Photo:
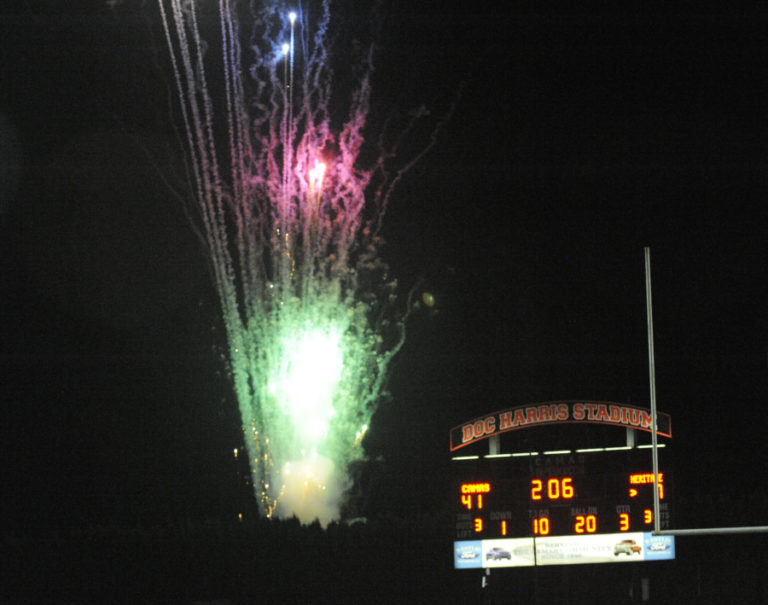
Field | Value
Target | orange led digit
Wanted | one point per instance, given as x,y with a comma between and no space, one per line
591,524
478,525
624,522
648,516
503,528
536,486
553,489
567,486
466,500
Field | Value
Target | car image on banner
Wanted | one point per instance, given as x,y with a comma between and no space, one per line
627,547
498,553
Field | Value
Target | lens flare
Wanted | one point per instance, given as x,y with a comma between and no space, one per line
309,308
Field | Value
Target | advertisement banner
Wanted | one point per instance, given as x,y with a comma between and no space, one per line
563,550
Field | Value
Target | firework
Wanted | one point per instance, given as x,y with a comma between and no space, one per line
290,215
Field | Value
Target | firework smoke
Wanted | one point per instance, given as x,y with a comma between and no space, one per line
290,215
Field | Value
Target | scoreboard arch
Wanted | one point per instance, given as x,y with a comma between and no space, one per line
558,412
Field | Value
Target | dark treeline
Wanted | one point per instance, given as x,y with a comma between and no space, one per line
385,560
259,562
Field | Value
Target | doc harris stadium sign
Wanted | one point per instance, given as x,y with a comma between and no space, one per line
557,412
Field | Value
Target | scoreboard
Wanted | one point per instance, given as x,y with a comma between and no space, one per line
568,507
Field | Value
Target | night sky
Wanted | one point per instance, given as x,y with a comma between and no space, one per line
577,138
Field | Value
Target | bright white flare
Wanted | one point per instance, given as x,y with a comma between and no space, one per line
306,380
316,174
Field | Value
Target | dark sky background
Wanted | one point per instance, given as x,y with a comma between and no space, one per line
578,137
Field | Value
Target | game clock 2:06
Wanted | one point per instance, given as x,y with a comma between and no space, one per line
556,488
548,496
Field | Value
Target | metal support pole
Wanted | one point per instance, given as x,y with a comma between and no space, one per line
711,531
654,437
630,437
652,372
